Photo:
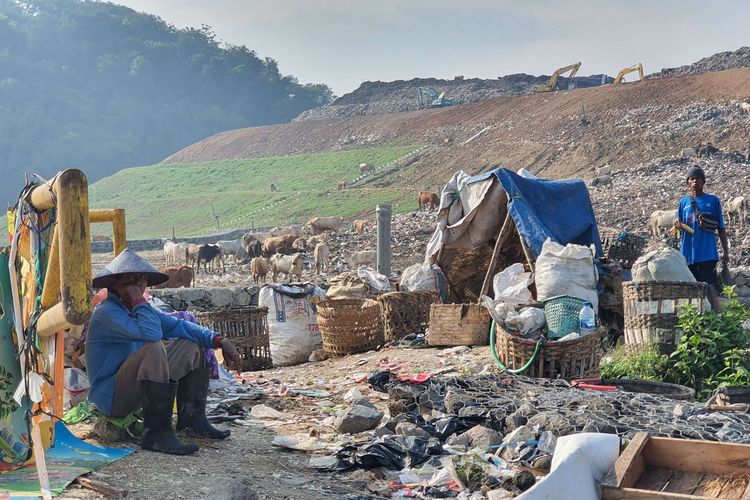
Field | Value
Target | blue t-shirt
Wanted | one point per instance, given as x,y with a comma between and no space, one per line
700,246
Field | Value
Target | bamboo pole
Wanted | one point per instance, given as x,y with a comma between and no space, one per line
506,229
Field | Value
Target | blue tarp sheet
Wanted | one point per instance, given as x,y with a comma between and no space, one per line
541,209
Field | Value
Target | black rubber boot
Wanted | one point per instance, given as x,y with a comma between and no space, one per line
192,390
158,400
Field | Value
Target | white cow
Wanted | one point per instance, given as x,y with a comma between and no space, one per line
322,256
234,248
356,259
737,207
291,265
662,219
173,253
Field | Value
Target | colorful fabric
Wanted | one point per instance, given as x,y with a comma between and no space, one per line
210,356
115,333
701,245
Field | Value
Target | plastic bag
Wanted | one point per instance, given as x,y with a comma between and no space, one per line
418,278
663,264
498,310
528,320
566,270
511,285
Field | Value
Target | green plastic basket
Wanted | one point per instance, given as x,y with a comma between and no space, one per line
562,315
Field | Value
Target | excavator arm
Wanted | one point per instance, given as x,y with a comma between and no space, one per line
625,71
550,85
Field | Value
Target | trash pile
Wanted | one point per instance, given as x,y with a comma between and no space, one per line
739,58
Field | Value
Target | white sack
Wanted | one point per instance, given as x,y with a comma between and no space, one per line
498,309
418,278
292,323
579,464
511,285
663,264
377,281
529,319
566,270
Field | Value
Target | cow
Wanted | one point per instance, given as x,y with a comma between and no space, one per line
366,168
293,230
173,252
320,224
322,256
428,200
207,254
191,254
259,269
603,180
356,259
300,245
342,185
233,248
273,245
252,245
291,265
360,225
737,206
662,219
312,241
181,276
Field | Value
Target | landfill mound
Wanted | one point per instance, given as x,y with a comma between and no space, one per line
739,58
377,98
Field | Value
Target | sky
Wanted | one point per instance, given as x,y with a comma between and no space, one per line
343,43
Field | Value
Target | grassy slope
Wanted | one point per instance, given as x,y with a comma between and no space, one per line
160,197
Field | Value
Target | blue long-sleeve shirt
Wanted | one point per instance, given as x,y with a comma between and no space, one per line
116,332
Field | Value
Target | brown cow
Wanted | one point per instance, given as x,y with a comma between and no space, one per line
320,224
191,254
274,245
366,168
322,256
360,225
181,276
429,200
259,269
342,185
300,245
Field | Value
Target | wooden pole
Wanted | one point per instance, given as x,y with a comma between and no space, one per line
505,231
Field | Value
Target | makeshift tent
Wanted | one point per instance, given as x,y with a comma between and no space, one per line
489,221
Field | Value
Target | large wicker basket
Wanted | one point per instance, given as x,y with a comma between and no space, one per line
568,359
458,324
248,330
349,326
405,313
621,246
651,310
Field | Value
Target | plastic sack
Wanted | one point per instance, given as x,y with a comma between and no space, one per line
76,387
292,322
511,285
662,264
498,310
528,320
377,281
566,270
418,278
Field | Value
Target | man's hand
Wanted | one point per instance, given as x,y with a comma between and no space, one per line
231,355
676,224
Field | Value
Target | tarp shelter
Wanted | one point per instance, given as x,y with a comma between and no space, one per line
477,212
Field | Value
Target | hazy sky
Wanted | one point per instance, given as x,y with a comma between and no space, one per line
345,42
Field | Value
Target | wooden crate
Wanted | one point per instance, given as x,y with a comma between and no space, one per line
654,468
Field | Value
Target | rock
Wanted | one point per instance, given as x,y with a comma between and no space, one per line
459,441
409,429
357,419
352,394
382,431
542,463
687,153
514,421
241,298
263,411
323,462
499,494
221,297
232,489
364,402
483,437
524,480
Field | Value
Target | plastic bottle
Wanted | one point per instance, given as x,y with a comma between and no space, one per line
586,319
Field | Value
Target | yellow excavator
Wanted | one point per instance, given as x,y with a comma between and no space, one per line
550,85
638,67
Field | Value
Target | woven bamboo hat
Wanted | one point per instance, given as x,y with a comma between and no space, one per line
128,262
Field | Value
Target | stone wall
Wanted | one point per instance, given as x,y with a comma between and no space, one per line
204,299
158,244
741,280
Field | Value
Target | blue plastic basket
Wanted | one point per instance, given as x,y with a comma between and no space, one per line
561,313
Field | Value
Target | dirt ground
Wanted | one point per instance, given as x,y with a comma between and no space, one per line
248,454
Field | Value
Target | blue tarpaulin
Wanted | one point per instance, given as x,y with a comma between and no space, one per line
541,209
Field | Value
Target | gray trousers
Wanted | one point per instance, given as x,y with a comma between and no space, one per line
155,363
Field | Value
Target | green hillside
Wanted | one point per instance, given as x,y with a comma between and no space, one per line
160,197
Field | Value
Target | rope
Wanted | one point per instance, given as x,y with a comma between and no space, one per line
514,371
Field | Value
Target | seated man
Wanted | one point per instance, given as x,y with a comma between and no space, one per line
129,366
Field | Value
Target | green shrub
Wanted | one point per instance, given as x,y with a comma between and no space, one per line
645,363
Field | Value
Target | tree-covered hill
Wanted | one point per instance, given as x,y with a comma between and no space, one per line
101,87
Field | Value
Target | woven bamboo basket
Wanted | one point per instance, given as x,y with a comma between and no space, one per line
568,359
651,310
349,326
458,324
620,246
247,328
405,313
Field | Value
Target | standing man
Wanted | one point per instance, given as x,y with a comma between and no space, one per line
129,365
702,212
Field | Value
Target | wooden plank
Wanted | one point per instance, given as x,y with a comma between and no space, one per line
654,478
101,487
746,495
698,456
630,464
684,482
711,486
734,486
611,493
